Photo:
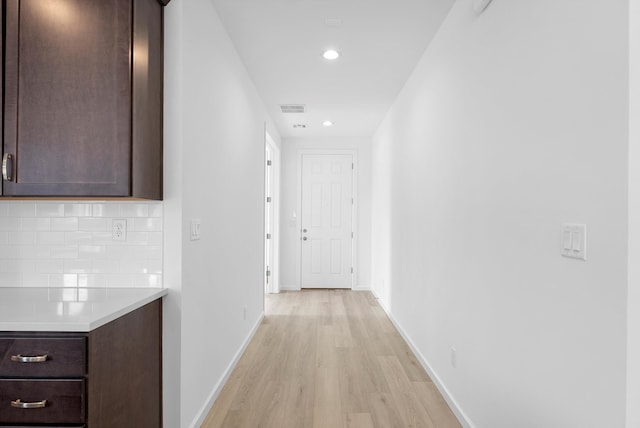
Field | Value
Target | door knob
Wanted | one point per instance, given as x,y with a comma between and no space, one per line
304,238
304,230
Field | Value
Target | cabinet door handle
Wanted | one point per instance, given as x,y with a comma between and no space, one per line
18,404
5,167
34,359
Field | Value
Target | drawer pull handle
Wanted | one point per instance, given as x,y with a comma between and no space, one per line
6,159
33,359
18,404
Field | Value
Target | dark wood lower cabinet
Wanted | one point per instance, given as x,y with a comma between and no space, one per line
62,401
110,377
124,385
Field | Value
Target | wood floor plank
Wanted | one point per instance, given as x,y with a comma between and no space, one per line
359,420
435,405
327,406
326,355
384,411
328,359
409,362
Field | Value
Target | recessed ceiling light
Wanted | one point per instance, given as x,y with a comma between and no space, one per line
327,123
331,54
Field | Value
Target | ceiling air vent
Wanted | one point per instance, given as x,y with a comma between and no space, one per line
333,22
292,108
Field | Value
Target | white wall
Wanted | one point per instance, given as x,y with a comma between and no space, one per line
290,227
214,172
633,308
513,122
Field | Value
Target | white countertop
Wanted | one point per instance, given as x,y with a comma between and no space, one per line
69,309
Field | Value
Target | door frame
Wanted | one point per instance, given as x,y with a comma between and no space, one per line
354,209
274,283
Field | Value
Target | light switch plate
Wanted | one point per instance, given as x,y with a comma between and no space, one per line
195,231
573,241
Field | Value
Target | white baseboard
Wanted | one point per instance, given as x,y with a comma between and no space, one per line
296,288
453,404
202,414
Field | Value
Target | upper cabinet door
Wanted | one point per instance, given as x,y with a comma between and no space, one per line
68,99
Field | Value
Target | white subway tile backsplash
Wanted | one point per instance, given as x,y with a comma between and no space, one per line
23,252
49,210
70,244
50,266
35,279
119,280
65,224
64,252
105,266
134,210
36,224
138,238
93,224
9,223
77,210
154,267
11,279
147,281
77,266
135,266
106,210
5,252
91,280
92,251
22,238
119,252
103,238
148,252
156,210
156,238
17,266
147,225
21,210
78,237
64,280
50,238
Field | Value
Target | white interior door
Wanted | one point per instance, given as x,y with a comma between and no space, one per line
327,206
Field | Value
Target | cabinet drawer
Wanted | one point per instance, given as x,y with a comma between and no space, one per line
58,357
65,401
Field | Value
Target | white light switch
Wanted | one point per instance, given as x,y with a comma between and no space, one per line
195,230
574,241
566,240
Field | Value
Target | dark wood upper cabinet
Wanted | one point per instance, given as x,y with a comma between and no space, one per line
83,98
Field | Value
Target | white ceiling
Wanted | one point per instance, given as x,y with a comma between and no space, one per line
281,43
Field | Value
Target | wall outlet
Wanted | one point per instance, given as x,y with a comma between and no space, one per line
454,358
119,229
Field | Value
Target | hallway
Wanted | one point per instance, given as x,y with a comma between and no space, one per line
328,358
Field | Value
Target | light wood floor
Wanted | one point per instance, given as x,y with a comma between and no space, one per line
328,358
